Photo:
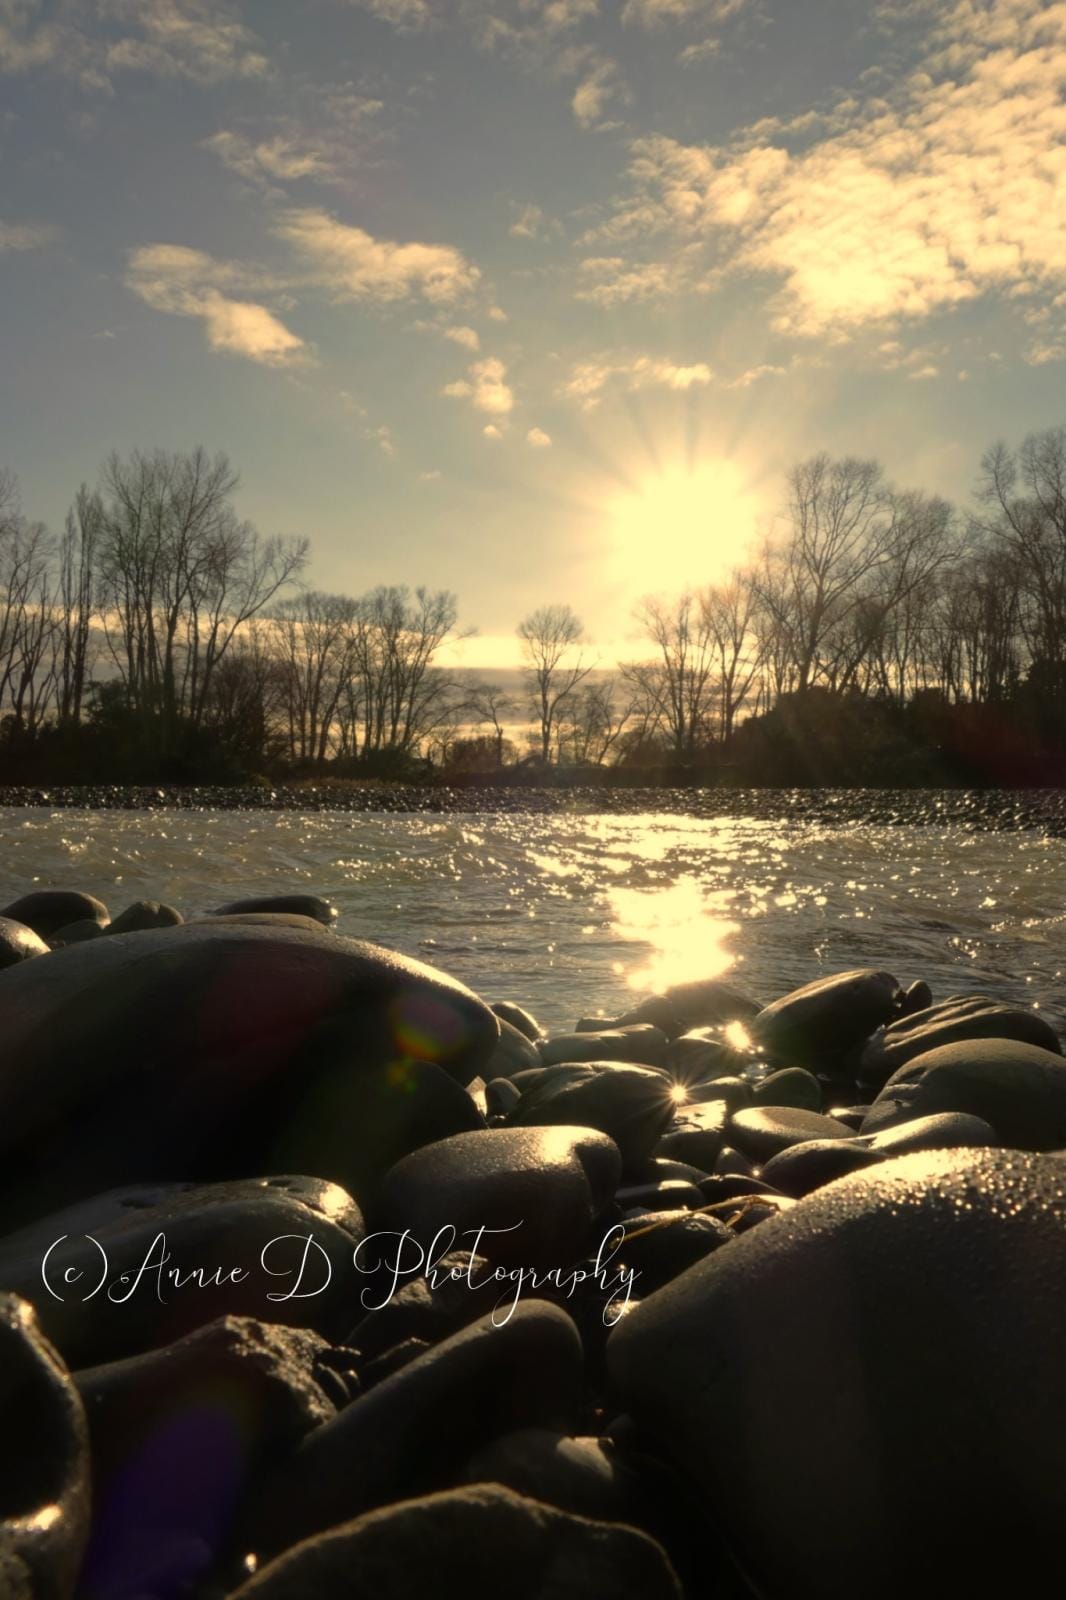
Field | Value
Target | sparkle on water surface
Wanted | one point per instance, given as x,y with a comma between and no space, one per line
578,915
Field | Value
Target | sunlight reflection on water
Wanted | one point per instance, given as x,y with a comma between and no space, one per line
574,914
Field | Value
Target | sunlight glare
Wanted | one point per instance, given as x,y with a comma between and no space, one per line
683,527
686,940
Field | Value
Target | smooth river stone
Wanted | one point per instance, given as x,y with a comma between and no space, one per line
510,1011
413,1431
815,1025
885,1362
211,1051
180,1437
1019,1089
478,1542
962,1017
514,1052
48,910
639,1046
697,1135
537,1192
792,1086
297,905
223,1225
632,1105
18,943
581,1475
143,915
805,1167
44,1463
764,1131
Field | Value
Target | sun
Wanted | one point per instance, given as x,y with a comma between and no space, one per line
682,527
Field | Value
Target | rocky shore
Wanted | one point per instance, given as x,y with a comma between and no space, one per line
1041,809
321,1276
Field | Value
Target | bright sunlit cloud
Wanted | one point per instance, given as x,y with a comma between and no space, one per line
682,527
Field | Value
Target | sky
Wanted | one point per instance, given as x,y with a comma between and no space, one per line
537,300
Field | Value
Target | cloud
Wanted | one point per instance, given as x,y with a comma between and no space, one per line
93,41
531,223
537,439
467,337
491,431
951,187
401,13
282,158
17,237
189,283
352,265
660,13
602,84
432,475
589,379
486,388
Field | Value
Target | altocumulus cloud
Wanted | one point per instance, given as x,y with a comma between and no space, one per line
589,379
190,283
486,388
951,186
353,265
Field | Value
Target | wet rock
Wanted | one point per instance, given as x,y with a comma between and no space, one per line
918,997
697,1135
213,1051
520,1018
658,1247
852,1116
705,1054
501,1097
461,1543
48,910
514,1052
77,933
536,1192
631,1104
709,1002
731,1162
962,1017
640,1046
730,1186
257,1228
764,1131
912,1394
825,1020
180,1437
803,1168
1018,1089
582,1475
656,1011
413,1431
18,943
427,1306
145,914
296,905
44,1463
735,1092
790,1087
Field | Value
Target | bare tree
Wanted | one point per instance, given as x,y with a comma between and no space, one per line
592,721
729,611
550,639
681,675
487,702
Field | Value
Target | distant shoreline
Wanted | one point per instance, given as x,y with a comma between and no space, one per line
1040,809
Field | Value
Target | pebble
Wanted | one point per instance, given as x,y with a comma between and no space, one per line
48,910
765,1131
18,943
640,1045
631,1104
1019,1089
963,1017
821,1022
296,905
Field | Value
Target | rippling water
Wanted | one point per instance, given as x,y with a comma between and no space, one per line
574,915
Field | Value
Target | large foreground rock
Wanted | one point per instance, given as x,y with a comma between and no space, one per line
480,1542
869,1389
210,1051
44,1463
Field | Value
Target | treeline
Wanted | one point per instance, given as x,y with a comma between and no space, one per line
879,636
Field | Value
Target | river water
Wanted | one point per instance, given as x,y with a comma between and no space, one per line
578,915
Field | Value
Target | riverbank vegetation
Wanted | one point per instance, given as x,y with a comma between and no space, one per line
879,636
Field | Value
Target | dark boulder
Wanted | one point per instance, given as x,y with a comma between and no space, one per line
886,1363
537,1193
476,1542
296,905
48,910
145,914
962,1017
215,1051
818,1024
631,1104
764,1131
1018,1089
